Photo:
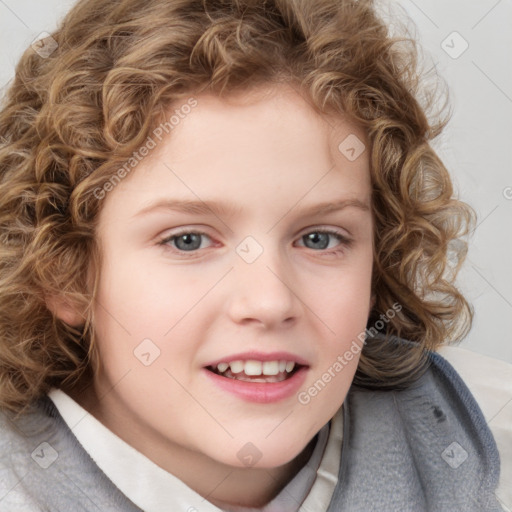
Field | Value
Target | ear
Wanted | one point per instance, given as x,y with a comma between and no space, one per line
373,300
64,310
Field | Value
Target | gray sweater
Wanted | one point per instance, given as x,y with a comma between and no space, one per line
426,448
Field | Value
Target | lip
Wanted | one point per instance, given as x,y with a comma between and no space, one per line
260,392
260,356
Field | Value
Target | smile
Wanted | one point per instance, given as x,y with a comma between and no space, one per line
252,370
258,377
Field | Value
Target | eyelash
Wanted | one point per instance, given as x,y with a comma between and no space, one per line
344,242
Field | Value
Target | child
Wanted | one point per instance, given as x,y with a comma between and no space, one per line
225,269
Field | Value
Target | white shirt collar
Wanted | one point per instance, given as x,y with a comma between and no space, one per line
153,489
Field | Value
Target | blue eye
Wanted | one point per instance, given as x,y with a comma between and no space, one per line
322,240
317,240
330,242
187,241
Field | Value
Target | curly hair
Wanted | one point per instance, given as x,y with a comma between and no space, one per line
70,119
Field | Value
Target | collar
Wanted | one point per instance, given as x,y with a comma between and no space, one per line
155,490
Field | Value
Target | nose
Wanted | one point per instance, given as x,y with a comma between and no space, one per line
262,294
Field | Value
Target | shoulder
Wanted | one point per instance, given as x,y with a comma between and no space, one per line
490,382
43,467
426,446
488,379
20,451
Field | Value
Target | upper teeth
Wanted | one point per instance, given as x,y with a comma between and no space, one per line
252,367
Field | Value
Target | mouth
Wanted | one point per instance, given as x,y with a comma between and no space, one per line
256,371
258,377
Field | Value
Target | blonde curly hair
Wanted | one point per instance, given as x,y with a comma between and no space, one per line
70,120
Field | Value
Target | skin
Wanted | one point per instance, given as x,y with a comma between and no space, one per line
273,157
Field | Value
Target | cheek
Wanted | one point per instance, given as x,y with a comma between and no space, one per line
149,316
342,300
343,307
147,300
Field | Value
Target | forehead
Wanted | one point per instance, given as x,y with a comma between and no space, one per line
268,145
252,119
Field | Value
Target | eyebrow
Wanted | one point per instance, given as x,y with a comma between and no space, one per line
328,207
231,210
192,207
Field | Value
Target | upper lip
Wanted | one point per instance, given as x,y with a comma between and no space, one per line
260,356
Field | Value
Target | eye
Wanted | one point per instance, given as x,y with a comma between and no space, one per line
187,241
322,240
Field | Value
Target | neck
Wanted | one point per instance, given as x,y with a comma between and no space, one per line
221,484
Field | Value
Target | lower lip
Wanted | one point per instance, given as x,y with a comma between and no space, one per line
260,392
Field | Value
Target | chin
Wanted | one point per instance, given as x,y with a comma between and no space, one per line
263,454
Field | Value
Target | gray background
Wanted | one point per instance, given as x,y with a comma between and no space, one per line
476,146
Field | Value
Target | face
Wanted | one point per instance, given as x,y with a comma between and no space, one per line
241,245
